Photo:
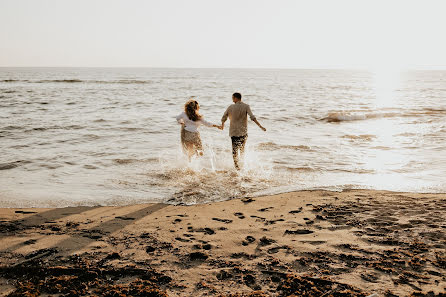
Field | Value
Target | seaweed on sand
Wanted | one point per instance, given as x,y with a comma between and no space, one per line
77,276
307,286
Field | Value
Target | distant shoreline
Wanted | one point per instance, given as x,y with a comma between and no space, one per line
365,69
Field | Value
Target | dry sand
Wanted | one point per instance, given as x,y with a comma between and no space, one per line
308,243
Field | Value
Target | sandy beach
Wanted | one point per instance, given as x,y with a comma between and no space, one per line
308,243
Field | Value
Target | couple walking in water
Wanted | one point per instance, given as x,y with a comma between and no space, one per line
237,113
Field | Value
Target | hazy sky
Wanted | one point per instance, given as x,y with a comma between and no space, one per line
229,33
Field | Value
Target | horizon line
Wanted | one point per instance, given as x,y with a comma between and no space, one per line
438,68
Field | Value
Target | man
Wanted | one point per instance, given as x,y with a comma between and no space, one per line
238,128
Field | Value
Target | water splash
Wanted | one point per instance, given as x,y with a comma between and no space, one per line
212,177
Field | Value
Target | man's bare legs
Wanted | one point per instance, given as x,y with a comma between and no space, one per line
238,144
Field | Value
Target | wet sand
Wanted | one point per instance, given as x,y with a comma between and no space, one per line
308,243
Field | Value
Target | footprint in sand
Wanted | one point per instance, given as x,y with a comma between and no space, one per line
296,211
208,231
271,222
182,239
266,241
150,249
239,215
30,241
259,219
205,246
299,231
313,242
248,240
247,200
243,255
198,256
226,221
223,274
275,250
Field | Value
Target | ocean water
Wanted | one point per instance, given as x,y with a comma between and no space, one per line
103,136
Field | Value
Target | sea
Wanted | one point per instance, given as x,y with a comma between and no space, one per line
108,136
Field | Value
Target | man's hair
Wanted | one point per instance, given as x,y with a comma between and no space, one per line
237,95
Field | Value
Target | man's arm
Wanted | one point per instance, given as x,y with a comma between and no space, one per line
258,124
253,118
224,118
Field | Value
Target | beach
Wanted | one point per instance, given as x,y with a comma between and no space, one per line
306,243
222,148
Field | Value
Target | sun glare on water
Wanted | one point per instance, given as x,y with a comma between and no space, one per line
386,81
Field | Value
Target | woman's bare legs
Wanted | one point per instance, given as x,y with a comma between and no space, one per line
190,150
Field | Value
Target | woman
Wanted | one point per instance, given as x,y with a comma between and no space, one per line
190,120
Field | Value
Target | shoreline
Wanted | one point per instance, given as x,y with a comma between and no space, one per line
138,202
318,241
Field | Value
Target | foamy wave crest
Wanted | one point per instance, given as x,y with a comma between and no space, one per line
356,116
11,80
59,81
274,146
11,165
345,116
363,137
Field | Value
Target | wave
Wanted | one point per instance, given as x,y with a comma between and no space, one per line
357,116
274,146
346,116
297,169
126,81
434,110
11,80
365,137
59,81
131,81
11,165
46,128
12,127
125,161
129,161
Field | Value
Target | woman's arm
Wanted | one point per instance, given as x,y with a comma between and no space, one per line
180,118
207,124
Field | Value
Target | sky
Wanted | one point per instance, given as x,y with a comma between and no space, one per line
374,34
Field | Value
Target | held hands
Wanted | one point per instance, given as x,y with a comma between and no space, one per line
219,126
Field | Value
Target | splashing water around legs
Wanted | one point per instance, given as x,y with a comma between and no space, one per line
212,177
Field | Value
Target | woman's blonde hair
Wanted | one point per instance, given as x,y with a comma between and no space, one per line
191,109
